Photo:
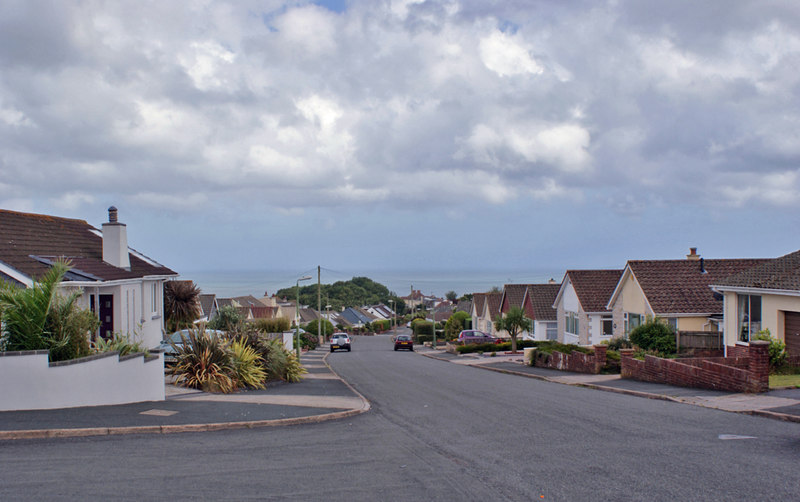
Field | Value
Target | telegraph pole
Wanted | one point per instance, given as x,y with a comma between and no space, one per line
320,333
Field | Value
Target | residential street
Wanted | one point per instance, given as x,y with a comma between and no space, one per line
436,431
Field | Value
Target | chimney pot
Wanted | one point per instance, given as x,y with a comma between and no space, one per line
112,214
693,254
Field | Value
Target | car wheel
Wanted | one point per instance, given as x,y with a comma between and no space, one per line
411,349
395,349
331,350
348,349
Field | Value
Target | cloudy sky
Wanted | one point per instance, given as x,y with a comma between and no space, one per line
408,134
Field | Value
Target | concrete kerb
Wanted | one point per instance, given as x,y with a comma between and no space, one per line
209,427
761,413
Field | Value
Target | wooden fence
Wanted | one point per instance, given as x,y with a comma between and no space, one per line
698,340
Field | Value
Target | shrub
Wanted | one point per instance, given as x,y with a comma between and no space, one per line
308,341
294,371
227,319
276,325
618,343
204,362
454,325
248,366
654,335
777,349
118,343
72,326
313,328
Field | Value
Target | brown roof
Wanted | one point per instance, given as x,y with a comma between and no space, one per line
493,300
479,300
207,303
594,287
29,243
513,295
263,312
681,287
542,297
778,273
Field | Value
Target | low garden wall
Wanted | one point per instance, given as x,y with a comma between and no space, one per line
577,362
31,382
747,371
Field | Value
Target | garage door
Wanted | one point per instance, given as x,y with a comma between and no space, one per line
792,333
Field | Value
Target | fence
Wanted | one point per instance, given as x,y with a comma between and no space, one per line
699,340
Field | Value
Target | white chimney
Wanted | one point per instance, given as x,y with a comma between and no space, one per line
115,241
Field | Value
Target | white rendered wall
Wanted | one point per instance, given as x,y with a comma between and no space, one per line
30,383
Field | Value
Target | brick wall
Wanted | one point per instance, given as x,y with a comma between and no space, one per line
737,374
577,362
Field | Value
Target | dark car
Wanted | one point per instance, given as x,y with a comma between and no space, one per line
404,342
340,341
474,336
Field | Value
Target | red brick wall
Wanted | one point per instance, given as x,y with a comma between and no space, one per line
750,374
577,362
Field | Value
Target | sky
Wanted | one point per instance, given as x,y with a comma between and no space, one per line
461,135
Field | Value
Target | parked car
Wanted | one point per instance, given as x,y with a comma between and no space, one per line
174,340
340,341
474,336
404,342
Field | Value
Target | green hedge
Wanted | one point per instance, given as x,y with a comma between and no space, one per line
495,347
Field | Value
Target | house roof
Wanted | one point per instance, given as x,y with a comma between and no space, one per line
493,303
513,295
593,287
207,303
29,243
248,301
542,297
683,286
307,315
779,274
263,312
478,301
464,306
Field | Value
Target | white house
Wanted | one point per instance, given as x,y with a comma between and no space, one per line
124,287
581,306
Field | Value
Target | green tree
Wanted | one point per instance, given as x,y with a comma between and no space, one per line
181,304
227,319
514,322
454,325
313,327
451,295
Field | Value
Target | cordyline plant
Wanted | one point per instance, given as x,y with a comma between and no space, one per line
181,306
204,362
514,322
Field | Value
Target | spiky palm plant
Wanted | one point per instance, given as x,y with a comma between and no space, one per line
294,371
25,310
203,361
248,366
181,304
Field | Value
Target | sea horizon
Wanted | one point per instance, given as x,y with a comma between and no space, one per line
261,282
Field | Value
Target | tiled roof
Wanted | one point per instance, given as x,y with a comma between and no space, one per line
248,301
493,300
594,287
513,295
680,287
263,312
778,273
464,306
542,297
29,242
207,303
479,300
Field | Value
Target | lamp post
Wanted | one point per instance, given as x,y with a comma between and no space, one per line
297,316
328,318
394,316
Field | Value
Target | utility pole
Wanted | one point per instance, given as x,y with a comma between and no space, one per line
320,333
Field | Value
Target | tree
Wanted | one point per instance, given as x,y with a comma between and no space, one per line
454,325
327,327
451,295
514,322
227,319
181,304
654,334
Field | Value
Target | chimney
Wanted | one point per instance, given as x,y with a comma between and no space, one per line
703,265
693,256
115,242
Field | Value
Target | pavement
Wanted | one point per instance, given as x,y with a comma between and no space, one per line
322,395
783,404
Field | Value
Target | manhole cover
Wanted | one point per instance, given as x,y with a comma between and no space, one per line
159,413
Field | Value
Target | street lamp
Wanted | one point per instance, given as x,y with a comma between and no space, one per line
297,316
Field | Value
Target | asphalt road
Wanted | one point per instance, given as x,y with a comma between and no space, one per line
436,431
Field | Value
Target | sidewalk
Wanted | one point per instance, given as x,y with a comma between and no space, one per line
321,396
777,404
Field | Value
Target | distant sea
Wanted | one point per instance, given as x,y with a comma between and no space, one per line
228,283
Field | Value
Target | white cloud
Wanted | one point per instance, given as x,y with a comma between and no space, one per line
508,55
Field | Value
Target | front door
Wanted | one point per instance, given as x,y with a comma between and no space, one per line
106,316
791,333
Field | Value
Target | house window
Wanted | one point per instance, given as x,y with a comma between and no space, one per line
552,330
154,298
607,324
572,323
632,321
489,327
672,322
748,316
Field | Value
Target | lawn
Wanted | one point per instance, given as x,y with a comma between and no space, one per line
776,381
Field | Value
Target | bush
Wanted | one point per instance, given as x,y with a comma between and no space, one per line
308,341
204,362
73,325
777,349
227,319
654,335
618,343
294,371
118,343
495,347
455,324
248,367
313,328
276,325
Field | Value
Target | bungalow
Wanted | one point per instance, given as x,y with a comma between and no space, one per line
764,296
538,306
581,306
208,307
124,287
485,309
675,290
